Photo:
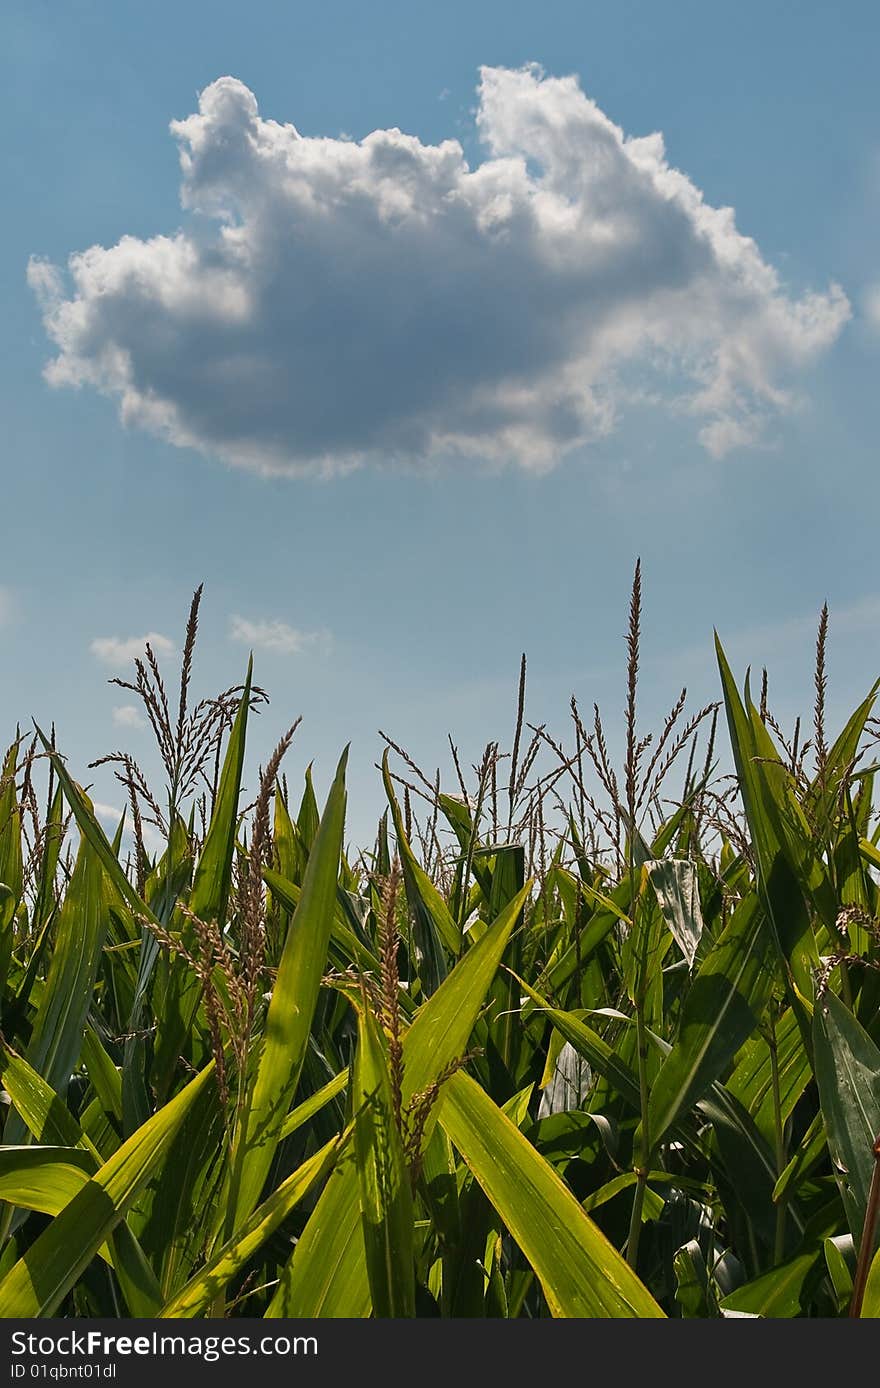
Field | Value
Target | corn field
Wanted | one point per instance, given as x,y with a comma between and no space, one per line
569,1039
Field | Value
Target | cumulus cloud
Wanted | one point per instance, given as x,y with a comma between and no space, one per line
119,652
331,301
275,636
128,716
110,815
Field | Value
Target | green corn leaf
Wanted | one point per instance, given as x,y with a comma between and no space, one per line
590,1045
137,1281
459,818
46,1179
173,1217
39,1281
720,1012
228,1261
385,1192
135,1101
47,1117
777,1294
105,1079
11,865
752,1080
796,834
581,1273
810,1152
596,930
433,925
213,875
170,877
441,1028
692,1288
327,1275
778,884
308,818
653,1206
99,1129
208,899
505,1031
91,830
748,1169
43,1178
848,1075
345,946
309,1107
285,840
824,791
840,1261
290,1013
57,1037
45,902
871,1299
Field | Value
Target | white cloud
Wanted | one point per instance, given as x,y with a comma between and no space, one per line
110,815
276,636
338,301
118,652
154,840
128,716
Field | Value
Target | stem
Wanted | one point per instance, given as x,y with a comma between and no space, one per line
472,844
866,1247
635,1223
779,1133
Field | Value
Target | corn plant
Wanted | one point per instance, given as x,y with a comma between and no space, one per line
568,1039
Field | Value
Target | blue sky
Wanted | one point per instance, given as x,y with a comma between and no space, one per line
401,444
